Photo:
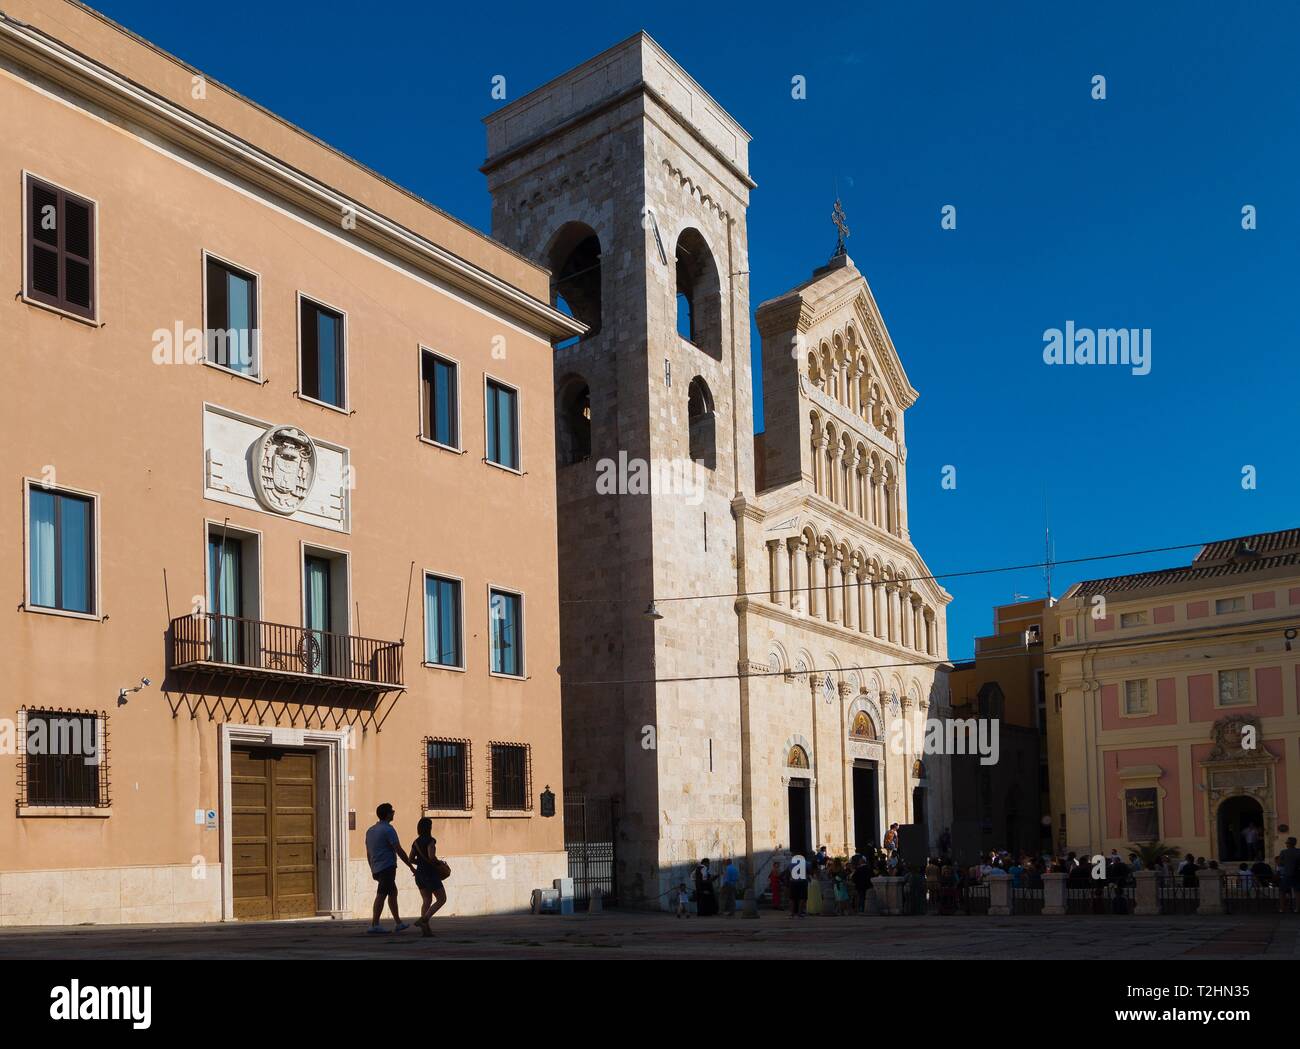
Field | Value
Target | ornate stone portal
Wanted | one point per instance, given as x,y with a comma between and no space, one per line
284,468
1239,766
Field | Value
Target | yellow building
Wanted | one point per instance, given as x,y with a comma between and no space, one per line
1175,693
277,511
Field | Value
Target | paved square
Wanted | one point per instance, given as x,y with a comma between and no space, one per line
655,936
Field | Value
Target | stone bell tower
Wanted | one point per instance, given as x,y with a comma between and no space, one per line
630,184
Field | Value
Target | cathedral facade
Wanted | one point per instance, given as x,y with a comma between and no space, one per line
739,653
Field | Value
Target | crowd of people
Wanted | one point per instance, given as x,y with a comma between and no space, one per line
820,884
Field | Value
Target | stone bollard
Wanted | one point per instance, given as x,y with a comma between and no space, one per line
1146,896
749,906
594,906
890,891
1054,893
999,896
1209,892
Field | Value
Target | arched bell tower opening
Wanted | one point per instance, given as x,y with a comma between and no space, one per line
574,261
699,294
573,422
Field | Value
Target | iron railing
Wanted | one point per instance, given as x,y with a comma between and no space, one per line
974,898
251,644
1247,895
1026,901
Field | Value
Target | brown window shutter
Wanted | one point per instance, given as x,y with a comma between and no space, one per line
61,249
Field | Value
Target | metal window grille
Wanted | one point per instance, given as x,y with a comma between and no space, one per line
448,782
512,777
63,758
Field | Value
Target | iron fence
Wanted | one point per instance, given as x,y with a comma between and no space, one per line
1244,894
1176,898
1026,901
974,898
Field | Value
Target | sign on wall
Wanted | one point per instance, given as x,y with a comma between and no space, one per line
1141,814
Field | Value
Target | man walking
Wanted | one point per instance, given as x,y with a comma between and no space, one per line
382,850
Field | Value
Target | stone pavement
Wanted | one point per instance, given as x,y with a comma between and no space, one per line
616,934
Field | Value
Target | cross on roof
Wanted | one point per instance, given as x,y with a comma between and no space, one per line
841,224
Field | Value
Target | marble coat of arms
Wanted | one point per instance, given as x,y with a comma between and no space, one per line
284,467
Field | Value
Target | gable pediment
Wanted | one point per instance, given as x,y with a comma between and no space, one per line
836,298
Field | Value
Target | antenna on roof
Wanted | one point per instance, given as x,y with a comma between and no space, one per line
1047,549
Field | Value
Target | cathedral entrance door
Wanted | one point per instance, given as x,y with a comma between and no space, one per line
800,818
866,801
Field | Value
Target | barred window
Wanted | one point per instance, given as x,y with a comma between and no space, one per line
447,774
65,759
511,772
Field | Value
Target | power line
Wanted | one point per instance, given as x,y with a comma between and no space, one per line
904,579
1245,628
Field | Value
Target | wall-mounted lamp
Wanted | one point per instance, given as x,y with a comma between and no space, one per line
122,693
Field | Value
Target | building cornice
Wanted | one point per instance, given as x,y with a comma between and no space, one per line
86,78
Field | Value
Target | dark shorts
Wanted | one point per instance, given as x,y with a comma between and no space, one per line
1291,884
428,881
387,881
798,889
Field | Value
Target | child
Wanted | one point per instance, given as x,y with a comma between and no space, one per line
683,898
841,894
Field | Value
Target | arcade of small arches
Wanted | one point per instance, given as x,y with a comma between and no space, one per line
842,370
863,482
850,589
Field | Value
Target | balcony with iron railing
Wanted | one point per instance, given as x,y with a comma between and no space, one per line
253,648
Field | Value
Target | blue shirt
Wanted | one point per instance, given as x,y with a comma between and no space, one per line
381,847
731,876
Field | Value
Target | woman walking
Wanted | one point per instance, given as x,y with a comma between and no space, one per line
428,868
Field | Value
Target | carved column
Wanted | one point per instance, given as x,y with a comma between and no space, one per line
798,547
817,594
891,602
904,617
775,554
864,600
877,619
834,588
851,597
818,463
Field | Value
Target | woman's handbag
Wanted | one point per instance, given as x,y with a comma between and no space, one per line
442,870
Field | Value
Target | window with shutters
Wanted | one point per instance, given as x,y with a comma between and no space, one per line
60,257
511,790
322,361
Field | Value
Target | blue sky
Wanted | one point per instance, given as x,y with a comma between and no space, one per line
1117,213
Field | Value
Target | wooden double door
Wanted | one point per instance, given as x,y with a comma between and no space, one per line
273,832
